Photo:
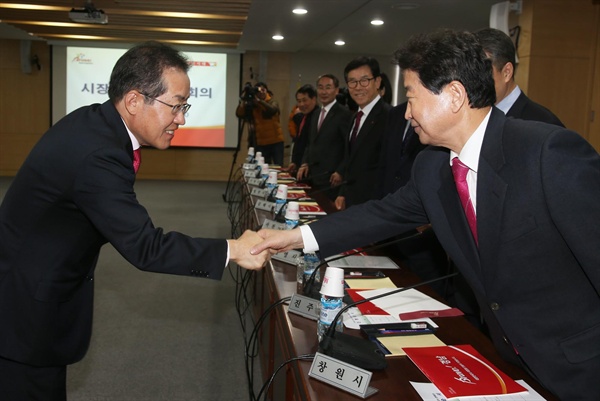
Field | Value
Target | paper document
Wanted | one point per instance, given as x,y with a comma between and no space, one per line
428,392
403,302
364,262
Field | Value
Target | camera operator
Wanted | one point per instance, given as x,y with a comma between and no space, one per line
257,103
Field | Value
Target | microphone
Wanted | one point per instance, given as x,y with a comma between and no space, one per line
358,351
310,290
270,197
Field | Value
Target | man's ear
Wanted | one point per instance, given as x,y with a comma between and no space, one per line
132,101
458,95
508,72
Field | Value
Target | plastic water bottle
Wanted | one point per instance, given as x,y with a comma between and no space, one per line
250,156
305,266
330,306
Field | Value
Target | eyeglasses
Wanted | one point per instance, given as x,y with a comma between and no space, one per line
184,107
364,82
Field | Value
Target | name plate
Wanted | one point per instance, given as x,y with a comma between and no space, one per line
260,192
249,166
304,306
273,225
264,205
290,256
249,173
257,182
342,375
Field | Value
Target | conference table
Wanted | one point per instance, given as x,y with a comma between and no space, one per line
286,335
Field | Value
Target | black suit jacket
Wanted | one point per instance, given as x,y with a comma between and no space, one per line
397,157
536,271
73,194
361,161
303,136
526,109
324,153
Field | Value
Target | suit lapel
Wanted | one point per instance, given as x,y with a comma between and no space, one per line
491,192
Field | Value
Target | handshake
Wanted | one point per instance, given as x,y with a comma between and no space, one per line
254,249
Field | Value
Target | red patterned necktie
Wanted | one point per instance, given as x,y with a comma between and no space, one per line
355,128
459,170
137,159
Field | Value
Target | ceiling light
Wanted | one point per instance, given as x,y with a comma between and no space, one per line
277,37
377,21
299,11
340,42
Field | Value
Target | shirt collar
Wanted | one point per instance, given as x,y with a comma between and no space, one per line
329,106
469,155
506,103
370,106
134,142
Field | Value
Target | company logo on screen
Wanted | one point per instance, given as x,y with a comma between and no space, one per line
202,63
81,59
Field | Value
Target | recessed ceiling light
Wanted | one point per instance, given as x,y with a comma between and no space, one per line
377,21
340,42
277,37
299,11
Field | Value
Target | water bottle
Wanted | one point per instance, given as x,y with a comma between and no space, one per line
250,156
330,306
292,215
305,266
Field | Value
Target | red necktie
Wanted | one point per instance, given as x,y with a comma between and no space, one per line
137,159
355,128
301,125
459,170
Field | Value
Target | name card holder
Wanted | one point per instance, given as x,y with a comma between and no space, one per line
265,205
290,257
304,306
273,225
257,182
249,166
250,173
342,375
260,192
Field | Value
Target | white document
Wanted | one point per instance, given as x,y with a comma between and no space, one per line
429,392
364,262
353,319
407,301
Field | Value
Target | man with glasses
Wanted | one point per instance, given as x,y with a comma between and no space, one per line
73,194
363,146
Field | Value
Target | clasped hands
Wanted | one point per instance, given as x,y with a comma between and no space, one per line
252,250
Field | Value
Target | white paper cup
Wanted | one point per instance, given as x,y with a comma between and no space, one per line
281,191
272,177
258,155
292,213
333,282
251,151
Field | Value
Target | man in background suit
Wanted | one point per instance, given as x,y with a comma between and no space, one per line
306,100
521,226
361,160
509,98
73,194
323,157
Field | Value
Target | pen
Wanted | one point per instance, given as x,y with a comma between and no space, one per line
365,274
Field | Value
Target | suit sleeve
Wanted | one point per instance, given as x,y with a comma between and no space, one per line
570,172
104,192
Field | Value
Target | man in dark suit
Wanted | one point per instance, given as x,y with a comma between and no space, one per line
509,98
323,157
361,160
73,194
306,100
521,226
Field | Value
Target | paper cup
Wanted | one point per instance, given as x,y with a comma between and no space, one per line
292,212
272,177
281,191
333,282
258,155
250,151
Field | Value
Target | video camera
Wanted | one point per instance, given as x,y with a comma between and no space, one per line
249,92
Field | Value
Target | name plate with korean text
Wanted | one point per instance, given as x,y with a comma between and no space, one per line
304,306
273,225
257,182
260,192
290,257
342,375
265,205
249,166
250,173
